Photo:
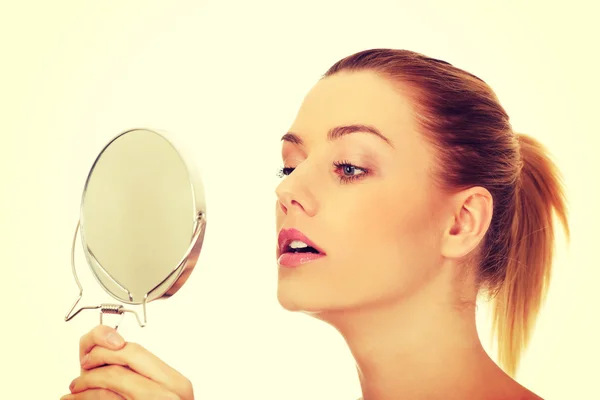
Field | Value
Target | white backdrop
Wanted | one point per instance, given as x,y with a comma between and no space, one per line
226,79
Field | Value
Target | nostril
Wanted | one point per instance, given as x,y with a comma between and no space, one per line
283,208
289,202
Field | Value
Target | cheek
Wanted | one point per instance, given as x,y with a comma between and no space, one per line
414,227
402,230
391,241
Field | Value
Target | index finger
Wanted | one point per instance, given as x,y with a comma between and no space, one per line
103,336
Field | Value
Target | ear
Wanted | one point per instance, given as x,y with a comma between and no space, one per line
472,211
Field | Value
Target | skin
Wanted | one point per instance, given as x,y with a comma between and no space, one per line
395,281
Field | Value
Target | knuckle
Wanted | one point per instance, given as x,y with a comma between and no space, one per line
98,351
94,352
95,356
94,334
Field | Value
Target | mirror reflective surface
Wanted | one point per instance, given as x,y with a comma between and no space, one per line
142,219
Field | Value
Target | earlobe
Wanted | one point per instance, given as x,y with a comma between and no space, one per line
469,224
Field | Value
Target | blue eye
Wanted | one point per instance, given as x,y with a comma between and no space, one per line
349,172
349,169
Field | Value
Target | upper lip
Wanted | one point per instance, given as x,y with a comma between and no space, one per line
287,236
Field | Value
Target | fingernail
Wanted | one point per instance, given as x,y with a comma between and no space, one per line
66,397
85,359
114,339
72,385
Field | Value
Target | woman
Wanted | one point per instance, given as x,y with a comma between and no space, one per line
406,195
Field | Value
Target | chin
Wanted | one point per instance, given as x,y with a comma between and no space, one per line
293,300
296,297
293,295
328,313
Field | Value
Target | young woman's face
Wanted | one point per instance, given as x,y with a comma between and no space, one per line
366,201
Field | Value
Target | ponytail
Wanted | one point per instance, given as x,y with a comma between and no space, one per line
539,197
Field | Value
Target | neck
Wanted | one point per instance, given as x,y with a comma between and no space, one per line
417,348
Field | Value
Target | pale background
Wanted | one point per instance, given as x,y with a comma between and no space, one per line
227,78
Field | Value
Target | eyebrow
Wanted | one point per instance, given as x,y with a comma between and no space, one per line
339,131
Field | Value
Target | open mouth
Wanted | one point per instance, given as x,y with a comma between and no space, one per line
292,241
298,246
296,249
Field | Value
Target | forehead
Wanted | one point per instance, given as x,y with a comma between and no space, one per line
355,98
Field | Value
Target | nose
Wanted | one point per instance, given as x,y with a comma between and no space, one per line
294,198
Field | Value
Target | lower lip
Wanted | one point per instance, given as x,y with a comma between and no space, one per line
292,260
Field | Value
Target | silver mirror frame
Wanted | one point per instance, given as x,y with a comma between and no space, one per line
178,276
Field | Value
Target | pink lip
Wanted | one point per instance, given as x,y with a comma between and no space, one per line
286,236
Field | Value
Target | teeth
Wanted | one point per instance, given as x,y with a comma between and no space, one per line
297,244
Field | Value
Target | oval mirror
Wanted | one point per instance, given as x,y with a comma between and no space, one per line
142,221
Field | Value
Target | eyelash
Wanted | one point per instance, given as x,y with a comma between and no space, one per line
339,165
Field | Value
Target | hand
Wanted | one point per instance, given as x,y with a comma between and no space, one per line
112,369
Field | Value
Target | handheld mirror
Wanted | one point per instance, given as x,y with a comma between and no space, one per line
142,222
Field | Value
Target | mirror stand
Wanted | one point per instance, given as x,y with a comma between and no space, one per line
105,308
